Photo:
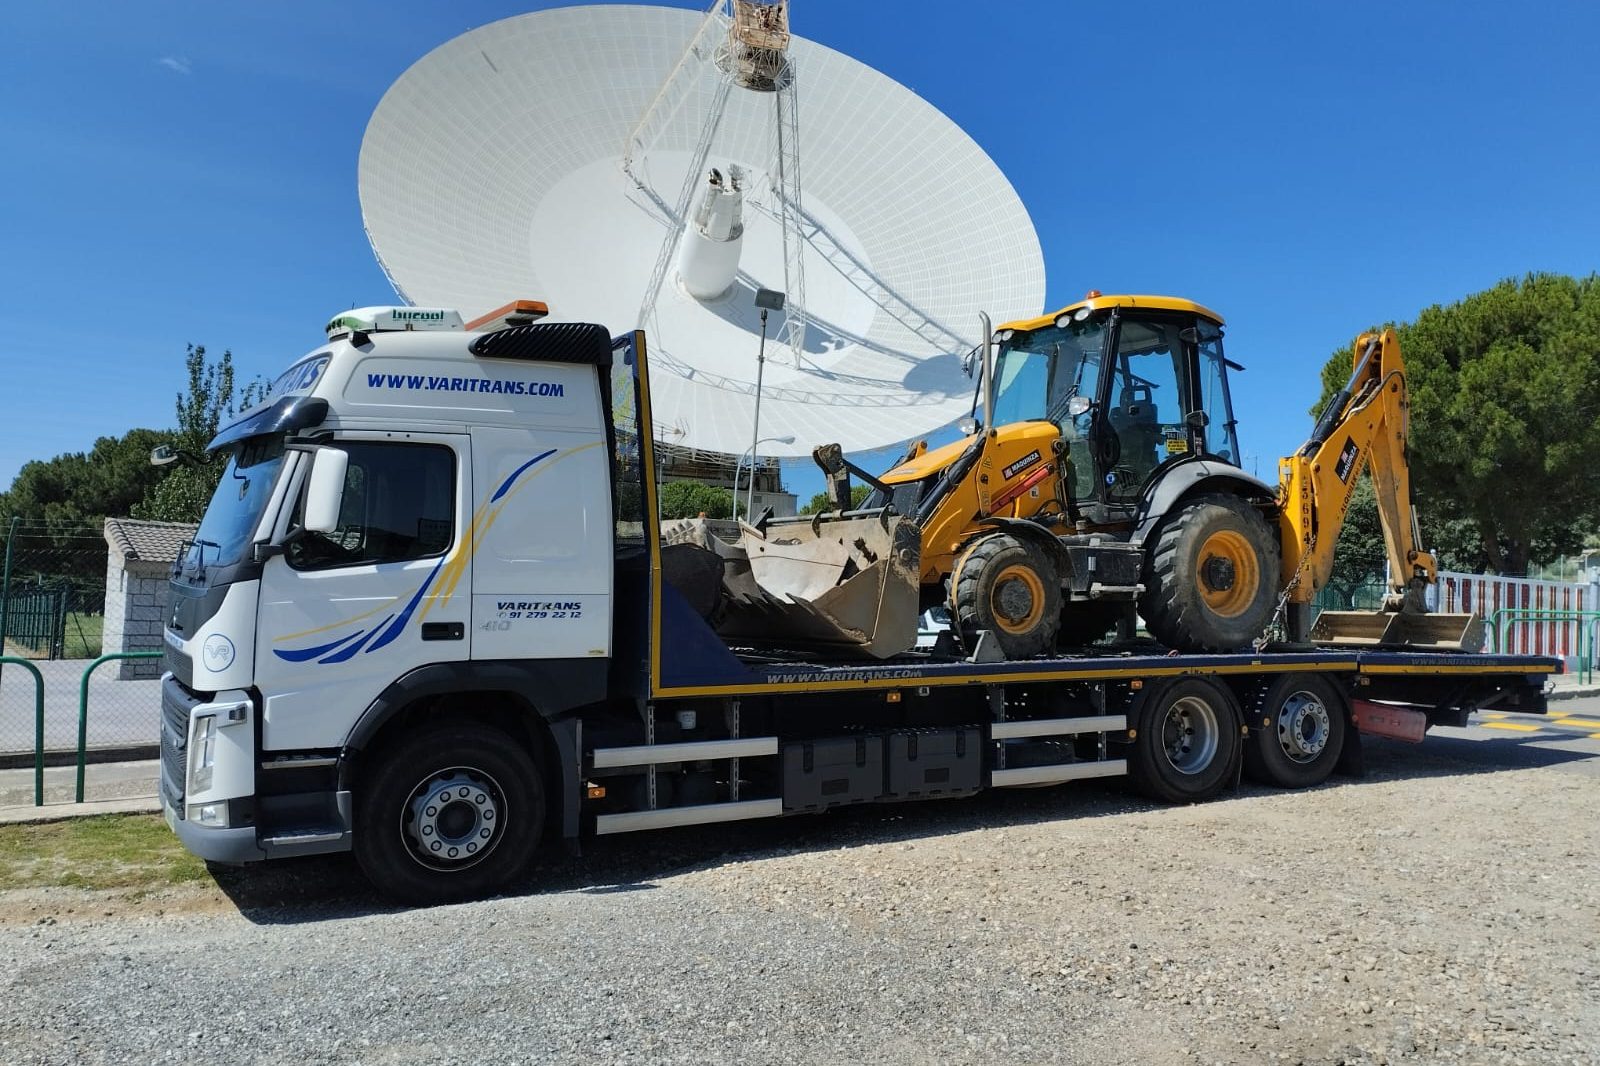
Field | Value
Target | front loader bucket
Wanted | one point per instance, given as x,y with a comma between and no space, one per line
1398,629
846,583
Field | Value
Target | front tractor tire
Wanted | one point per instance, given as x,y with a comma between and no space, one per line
1211,576
452,812
1010,587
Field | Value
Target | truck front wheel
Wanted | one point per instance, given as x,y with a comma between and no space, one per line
452,812
1187,746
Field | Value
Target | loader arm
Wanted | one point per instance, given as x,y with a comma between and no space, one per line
1363,427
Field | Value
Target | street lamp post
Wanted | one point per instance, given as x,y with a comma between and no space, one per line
749,505
767,300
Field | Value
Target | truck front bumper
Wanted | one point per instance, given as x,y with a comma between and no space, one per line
213,844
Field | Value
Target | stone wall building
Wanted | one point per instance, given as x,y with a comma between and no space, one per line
140,557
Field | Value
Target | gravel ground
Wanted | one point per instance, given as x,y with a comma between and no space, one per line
1439,910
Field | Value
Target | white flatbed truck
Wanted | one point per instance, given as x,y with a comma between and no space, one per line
426,618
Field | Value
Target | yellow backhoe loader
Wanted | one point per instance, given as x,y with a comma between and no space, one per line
1098,476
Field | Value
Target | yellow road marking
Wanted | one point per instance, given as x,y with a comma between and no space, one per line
1594,736
1581,723
1516,727
1494,716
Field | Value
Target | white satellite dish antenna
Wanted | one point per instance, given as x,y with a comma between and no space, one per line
641,166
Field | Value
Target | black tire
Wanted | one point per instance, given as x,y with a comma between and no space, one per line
1083,624
1011,588
1187,746
1211,576
1297,732
417,851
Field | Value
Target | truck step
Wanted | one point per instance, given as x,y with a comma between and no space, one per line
699,815
1050,775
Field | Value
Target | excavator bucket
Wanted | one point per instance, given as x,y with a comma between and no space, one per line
847,583
1398,629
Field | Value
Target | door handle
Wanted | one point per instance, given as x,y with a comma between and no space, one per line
443,631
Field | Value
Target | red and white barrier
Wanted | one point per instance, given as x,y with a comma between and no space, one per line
1485,594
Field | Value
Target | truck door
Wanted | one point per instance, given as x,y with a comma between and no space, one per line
344,614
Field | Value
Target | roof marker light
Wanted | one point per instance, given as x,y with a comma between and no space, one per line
515,313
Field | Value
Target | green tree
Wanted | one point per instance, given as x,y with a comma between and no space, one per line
52,496
1358,557
1505,420
822,502
183,491
691,499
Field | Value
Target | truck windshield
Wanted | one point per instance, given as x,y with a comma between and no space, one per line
1036,373
237,504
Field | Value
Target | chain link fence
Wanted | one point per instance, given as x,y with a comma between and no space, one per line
58,584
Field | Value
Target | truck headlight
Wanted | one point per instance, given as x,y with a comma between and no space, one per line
203,754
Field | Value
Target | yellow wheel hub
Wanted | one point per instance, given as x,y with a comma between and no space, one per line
1017,599
1229,573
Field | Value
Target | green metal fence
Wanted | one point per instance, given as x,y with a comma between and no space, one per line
57,610
38,722
83,704
1588,625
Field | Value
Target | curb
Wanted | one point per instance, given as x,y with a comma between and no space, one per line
64,812
1572,692
23,760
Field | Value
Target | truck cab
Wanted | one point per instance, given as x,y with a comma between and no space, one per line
415,508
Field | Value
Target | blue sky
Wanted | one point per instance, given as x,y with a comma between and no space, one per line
186,172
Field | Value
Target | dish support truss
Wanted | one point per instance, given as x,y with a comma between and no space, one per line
740,44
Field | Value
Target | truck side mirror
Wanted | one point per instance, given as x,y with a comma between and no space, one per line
325,489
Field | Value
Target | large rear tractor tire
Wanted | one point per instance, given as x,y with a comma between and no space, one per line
1298,732
1187,746
1211,576
1009,587
452,812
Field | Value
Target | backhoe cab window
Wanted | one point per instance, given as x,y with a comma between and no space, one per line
1148,399
398,505
1214,394
1037,373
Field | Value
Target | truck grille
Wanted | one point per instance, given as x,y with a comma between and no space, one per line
179,663
175,707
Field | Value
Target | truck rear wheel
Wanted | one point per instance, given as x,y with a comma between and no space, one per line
1211,577
1187,746
1298,733
1010,587
452,812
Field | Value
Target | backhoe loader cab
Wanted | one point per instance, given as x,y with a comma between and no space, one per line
1132,383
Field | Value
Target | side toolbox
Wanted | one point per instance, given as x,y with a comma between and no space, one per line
818,774
924,763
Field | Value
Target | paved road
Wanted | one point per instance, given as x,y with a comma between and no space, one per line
1567,738
120,712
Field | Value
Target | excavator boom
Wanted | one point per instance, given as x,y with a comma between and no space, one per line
1364,427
